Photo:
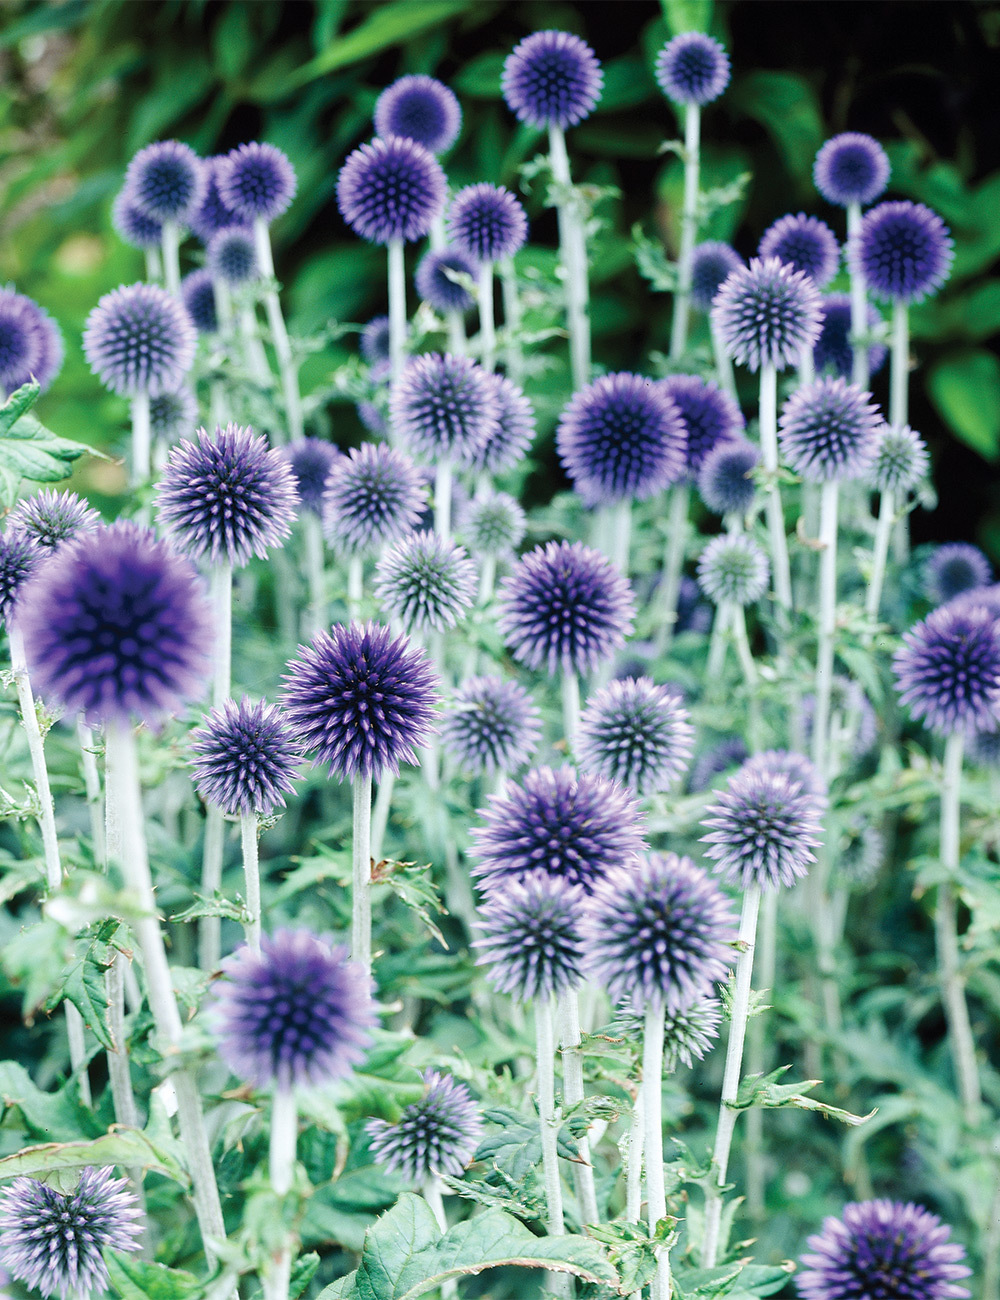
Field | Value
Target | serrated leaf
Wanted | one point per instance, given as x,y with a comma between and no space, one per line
86,986
134,1279
413,884
19,403
126,1147
764,1090
24,1106
28,450
303,1272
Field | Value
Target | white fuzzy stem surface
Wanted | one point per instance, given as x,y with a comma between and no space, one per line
673,558
880,553
689,229
279,332
251,874
723,361
92,785
355,585
548,1117
361,857
781,571
859,303
633,1161
570,707
170,242
487,321
568,1021
573,247
899,366
397,308
442,499
210,927
827,627
142,445
652,1088
312,545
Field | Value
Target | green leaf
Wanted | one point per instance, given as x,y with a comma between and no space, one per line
27,449
414,885
764,1090
24,1106
404,1231
303,1271
786,106
133,1279
86,986
687,15
965,388
125,1147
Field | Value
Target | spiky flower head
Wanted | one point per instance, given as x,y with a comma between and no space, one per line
901,460
391,189
719,758
374,343
786,762
133,226
833,348
861,852
139,339
767,313
513,434
688,1031
20,557
491,724
373,496
829,431
530,937
54,1242
954,568
31,345
851,168
246,758
50,518
256,181
551,79
173,414
725,481
803,243
692,69
711,265
425,581
948,668
733,570
311,461
709,415
443,407
434,1136
493,524
637,733
880,1250
232,256
419,108
296,1014
903,250
487,222
166,180
444,278
198,296
212,213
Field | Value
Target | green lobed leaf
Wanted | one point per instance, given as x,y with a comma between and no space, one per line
764,1090
965,388
27,449
125,1146
134,1279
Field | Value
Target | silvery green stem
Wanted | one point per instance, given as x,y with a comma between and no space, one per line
859,304
284,1134
92,785
652,1088
633,1160
380,813
573,248
249,832
142,445
827,626
731,1076
781,575
312,543
126,1111
570,684
355,585
568,1025
457,342
717,642
487,324
436,236
689,229
487,578
513,321
154,267
279,333
673,561
549,1123
170,242
442,498
433,1197
899,374
807,369
757,1055
361,859
880,552
221,584
743,652
723,361
619,534
253,349
397,308
210,927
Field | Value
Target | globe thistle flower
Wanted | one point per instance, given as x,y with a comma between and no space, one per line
132,225
246,758
139,339
983,748
901,460
31,346
50,518
851,168
419,108
828,431
725,481
767,313
513,435
361,700
883,1248
296,1014
987,598
903,250
232,257
442,280
311,461
733,570
948,668
574,827
212,213
54,1243
711,763
620,438
434,1136
173,414
530,937
487,222
443,407
20,556
492,525
833,347
636,733
373,496
166,180
198,296
954,568
658,931
711,265
227,496
565,607
861,852
117,625
256,181
551,79
692,69
688,1031
805,244
425,581
694,613
709,415
786,762
491,724
391,189
375,342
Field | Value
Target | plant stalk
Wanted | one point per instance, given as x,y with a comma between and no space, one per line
859,303
361,858
170,243
279,332
249,832
781,571
548,1117
142,445
568,1025
397,308
689,230
573,249
652,1087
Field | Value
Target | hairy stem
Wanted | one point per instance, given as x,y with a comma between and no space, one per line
568,1024
689,230
573,250
361,857
249,832
397,308
652,1087
781,575
859,304
279,332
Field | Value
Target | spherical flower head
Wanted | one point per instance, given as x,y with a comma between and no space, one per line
658,931
373,496
491,724
833,347
134,227
20,557
692,69
246,758
711,265
487,222
50,518
948,668
551,79
444,407
492,525
530,937
622,438
434,1136
851,168
426,581
232,257
763,828
173,414
512,435
829,431
767,313
198,296
805,244
139,339
116,626
419,108
883,1249
375,341
725,481
31,346
443,279
575,827
861,852
694,613
296,1014
566,608
256,181
227,496
903,250
637,733
166,180
786,762
711,763
733,570
954,568
361,700
54,1243
901,460
391,190
709,415
311,461
688,1031
212,214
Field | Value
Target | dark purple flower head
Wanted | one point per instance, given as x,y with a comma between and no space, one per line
565,608
694,614
419,108
173,414
246,758
434,1136
637,733
139,339
297,1014
132,224
212,214
709,415
733,570
903,250
31,345
851,168
711,763
620,438
232,257
491,724
361,699
311,461
256,181
551,79
767,313
833,347
530,937
487,222
692,69
577,828
829,431
658,930
883,1250
391,189
725,482
514,432
227,496
54,1243
373,496
711,265
166,180
805,244
948,668
425,581
444,407
954,568
20,557
901,460
198,294
445,278
374,341
492,524
117,626
50,518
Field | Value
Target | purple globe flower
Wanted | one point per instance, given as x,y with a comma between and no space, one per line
725,482
514,432
954,568
54,1243
805,244
361,700
434,1136
227,496
551,79
987,598
246,758
833,347
530,937
139,339
948,668
20,557
636,733
492,525
658,931
116,625
574,827
375,342
882,1249
733,570
173,414
709,415
901,460
851,168
693,613
297,1014
373,496
311,461
443,277
903,250
391,189
491,724
426,581
256,181
713,762
50,518
232,257
419,108
134,227
444,407
711,265
31,346
487,222
786,762
767,313
829,431
565,608
211,214
166,180
861,853
198,296
621,437
692,69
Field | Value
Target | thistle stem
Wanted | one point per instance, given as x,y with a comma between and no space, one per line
154,266
859,303
673,562
284,1134
717,642
487,578
570,707
880,553
457,342
312,544
689,229
279,332
170,242
723,361
899,375
513,318
549,1122
92,785
619,534
213,851
221,583
633,1162
142,445
355,585
442,499
487,323
568,1026
573,249
757,1055
652,1087
249,831
827,627
361,858
781,577
397,308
